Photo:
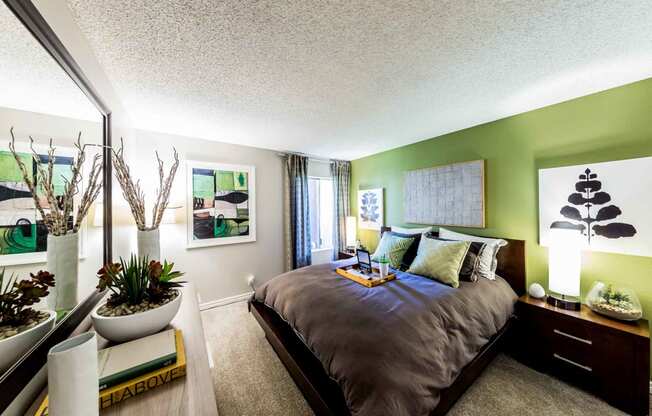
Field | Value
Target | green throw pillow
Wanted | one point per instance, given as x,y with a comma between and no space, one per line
440,260
393,248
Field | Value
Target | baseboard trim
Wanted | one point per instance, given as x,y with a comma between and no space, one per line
225,301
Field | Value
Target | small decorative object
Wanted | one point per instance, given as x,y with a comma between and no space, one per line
614,302
221,204
383,266
595,202
72,377
148,235
564,267
536,291
21,326
55,200
370,209
144,298
445,195
364,260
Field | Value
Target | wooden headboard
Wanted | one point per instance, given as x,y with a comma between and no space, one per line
511,262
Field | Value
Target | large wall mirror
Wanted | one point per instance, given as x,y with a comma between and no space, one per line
54,163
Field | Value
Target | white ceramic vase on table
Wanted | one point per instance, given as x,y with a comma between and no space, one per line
149,244
72,377
383,268
63,263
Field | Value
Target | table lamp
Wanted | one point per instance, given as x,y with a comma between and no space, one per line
564,266
351,237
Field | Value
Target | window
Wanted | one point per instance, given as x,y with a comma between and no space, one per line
320,195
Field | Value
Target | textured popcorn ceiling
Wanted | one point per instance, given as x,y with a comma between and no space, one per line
348,79
31,80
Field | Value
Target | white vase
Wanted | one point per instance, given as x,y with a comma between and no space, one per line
149,244
12,348
384,269
140,324
63,263
72,377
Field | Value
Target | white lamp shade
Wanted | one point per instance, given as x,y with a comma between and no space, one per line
351,230
564,263
170,215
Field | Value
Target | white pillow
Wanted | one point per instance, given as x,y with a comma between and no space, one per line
411,231
488,261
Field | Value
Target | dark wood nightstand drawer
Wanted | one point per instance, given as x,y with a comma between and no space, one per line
607,357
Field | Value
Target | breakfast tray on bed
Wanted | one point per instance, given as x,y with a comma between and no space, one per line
369,280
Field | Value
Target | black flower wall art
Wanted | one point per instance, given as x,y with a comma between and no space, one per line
607,204
589,213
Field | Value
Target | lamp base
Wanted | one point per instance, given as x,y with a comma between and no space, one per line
564,303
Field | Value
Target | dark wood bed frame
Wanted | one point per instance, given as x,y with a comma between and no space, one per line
324,394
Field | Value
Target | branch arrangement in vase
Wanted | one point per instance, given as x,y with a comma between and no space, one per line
60,208
134,194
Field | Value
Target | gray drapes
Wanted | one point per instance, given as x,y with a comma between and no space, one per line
341,175
297,219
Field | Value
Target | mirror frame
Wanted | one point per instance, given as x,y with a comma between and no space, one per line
16,378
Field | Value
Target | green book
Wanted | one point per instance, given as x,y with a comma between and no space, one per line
127,361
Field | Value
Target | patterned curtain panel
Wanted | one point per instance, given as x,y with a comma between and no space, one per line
297,222
341,175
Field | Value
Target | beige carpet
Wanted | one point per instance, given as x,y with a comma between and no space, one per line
250,380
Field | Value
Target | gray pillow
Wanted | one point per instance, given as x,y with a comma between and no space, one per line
487,259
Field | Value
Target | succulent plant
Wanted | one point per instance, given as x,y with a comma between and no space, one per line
16,296
138,279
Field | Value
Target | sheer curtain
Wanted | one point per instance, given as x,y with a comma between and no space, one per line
297,213
341,175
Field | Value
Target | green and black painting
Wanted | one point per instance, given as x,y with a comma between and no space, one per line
220,203
21,229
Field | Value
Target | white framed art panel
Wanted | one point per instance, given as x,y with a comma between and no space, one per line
370,209
618,219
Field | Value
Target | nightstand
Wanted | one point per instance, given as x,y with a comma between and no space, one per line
607,357
343,255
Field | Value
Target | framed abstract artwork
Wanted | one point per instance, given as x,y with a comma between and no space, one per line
445,195
370,209
606,204
23,235
221,204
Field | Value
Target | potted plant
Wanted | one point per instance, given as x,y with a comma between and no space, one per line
57,206
148,236
144,298
21,326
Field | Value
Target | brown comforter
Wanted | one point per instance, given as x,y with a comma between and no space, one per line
394,347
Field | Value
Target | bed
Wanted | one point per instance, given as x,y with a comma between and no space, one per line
409,347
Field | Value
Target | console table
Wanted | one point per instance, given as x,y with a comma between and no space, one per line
188,396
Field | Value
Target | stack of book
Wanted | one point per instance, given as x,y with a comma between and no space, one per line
132,368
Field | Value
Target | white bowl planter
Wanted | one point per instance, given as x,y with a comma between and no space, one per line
12,348
140,324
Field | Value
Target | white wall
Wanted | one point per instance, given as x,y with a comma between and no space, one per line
219,271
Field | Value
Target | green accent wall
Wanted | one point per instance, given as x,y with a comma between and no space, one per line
611,125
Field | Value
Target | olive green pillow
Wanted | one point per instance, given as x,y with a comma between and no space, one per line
393,248
440,260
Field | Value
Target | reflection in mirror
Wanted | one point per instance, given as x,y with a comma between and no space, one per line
50,244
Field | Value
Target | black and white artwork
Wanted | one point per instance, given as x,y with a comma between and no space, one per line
602,202
370,209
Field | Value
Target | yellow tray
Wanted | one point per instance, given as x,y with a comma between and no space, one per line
345,272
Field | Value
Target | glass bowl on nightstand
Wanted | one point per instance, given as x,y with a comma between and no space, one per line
614,301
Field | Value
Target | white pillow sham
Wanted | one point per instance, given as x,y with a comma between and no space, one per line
410,231
488,261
